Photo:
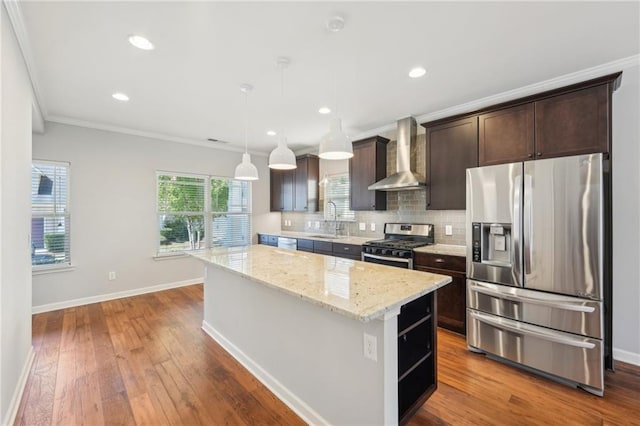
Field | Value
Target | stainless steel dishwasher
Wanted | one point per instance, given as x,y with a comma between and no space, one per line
288,243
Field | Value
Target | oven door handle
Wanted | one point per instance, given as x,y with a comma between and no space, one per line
387,258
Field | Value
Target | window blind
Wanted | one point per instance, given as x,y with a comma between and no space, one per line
337,191
50,215
196,212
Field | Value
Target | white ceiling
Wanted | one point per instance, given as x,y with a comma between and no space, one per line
188,87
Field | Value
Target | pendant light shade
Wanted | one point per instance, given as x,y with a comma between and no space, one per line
246,170
282,158
335,145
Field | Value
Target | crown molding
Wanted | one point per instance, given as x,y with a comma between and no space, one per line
146,134
532,89
17,22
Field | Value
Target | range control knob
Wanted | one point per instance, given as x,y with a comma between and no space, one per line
406,254
385,251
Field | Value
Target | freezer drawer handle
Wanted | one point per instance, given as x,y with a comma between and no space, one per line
521,328
503,295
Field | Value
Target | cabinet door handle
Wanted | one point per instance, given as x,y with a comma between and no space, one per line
539,154
345,248
529,155
373,206
439,260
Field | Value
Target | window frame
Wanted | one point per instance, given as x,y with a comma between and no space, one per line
207,213
347,215
62,266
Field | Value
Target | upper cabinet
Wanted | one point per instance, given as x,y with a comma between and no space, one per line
506,135
568,121
306,184
296,190
367,166
451,148
575,123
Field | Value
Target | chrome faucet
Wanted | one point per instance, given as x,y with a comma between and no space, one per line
335,217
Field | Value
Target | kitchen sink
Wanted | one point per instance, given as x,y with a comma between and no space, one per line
327,237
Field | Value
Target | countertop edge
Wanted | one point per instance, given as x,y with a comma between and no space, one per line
362,318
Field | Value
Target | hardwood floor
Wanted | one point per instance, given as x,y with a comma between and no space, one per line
145,360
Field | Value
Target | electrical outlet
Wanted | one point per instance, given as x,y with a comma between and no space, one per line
317,224
373,226
362,226
308,224
112,275
448,230
371,347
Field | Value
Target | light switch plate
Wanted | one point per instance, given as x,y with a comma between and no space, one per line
373,226
308,224
362,226
317,224
448,230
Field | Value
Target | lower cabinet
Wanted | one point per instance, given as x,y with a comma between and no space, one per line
305,245
417,371
270,240
452,298
349,251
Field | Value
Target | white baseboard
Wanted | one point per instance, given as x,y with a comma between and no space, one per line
19,390
308,414
110,296
626,356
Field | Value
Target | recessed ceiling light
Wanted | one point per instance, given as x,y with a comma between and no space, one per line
417,72
120,97
141,42
324,110
271,132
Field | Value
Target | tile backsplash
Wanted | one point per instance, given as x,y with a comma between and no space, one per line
306,222
402,206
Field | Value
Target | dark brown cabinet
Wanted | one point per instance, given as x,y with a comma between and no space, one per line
574,123
451,148
367,166
306,184
452,298
270,240
506,135
296,190
281,190
417,364
349,251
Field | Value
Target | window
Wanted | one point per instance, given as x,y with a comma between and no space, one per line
50,217
196,212
336,190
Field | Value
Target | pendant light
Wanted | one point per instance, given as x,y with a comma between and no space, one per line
282,157
246,170
335,145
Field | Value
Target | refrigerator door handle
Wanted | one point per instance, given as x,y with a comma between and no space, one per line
528,223
522,328
516,255
520,298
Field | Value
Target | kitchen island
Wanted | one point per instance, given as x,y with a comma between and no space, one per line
339,341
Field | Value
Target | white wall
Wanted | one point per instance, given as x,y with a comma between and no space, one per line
626,217
15,205
113,209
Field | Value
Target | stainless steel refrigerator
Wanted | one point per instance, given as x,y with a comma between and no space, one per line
538,266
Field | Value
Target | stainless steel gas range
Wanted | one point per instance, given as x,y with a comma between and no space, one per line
396,249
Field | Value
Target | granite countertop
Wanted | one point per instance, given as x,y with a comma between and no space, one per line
446,249
362,291
314,236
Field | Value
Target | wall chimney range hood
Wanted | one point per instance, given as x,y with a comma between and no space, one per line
405,177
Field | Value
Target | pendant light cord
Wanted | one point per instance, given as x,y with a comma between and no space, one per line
246,123
282,104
